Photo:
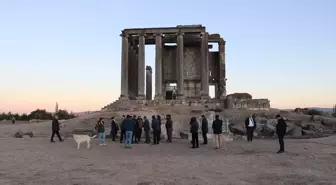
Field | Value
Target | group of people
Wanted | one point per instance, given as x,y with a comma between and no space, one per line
131,128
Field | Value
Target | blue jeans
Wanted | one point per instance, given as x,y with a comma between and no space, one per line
101,137
128,139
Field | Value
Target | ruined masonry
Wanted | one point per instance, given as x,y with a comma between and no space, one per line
184,66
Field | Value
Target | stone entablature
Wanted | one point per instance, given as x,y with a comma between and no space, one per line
253,104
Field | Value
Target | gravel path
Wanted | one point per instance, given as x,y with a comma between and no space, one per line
35,161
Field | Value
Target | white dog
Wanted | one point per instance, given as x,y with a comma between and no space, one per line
82,139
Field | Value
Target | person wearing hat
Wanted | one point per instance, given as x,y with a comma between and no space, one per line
281,132
114,129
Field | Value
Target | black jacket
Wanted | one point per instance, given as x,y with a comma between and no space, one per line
146,125
169,123
247,121
55,125
281,127
217,126
114,127
205,128
194,127
136,124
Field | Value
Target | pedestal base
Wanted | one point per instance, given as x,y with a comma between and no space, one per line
158,97
180,97
140,97
205,97
123,97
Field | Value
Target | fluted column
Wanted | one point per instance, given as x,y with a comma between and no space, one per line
158,67
204,66
222,70
180,61
141,68
124,67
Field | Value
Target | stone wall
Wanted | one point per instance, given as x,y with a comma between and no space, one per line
169,64
253,104
214,65
192,63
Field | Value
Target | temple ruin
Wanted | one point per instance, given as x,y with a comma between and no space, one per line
189,64
184,67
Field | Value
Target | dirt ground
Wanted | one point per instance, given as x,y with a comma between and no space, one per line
36,161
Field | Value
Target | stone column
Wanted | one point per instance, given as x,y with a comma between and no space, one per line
180,61
124,68
158,67
141,68
204,66
222,72
148,83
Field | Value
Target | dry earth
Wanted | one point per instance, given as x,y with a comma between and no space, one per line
35,161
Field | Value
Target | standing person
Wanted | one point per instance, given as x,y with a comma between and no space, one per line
169,128
194,126
156,132
250,125
128,127
146,129
158,117
13,120
135,129
217,127
205,130
101,131
139,128
281,132
55,130
122,132
114,129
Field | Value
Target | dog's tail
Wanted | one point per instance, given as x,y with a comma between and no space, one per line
93,136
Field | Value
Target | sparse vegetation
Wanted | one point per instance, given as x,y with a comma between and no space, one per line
40,114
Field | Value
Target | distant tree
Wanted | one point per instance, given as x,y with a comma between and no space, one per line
40,114
63,114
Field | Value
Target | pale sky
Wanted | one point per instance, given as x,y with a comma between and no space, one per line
69,51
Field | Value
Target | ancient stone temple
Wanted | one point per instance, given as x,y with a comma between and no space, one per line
182,57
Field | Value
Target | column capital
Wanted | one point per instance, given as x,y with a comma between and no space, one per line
141,34
158,34
180,33
222,42
124,35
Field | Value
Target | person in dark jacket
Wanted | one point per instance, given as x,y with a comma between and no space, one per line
135,129
250,125
55,130
281,132
122,132
114,129
217,127
100,127
169,128
139,128
146,127
155,127
128,127
158,117
205,130
194,126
